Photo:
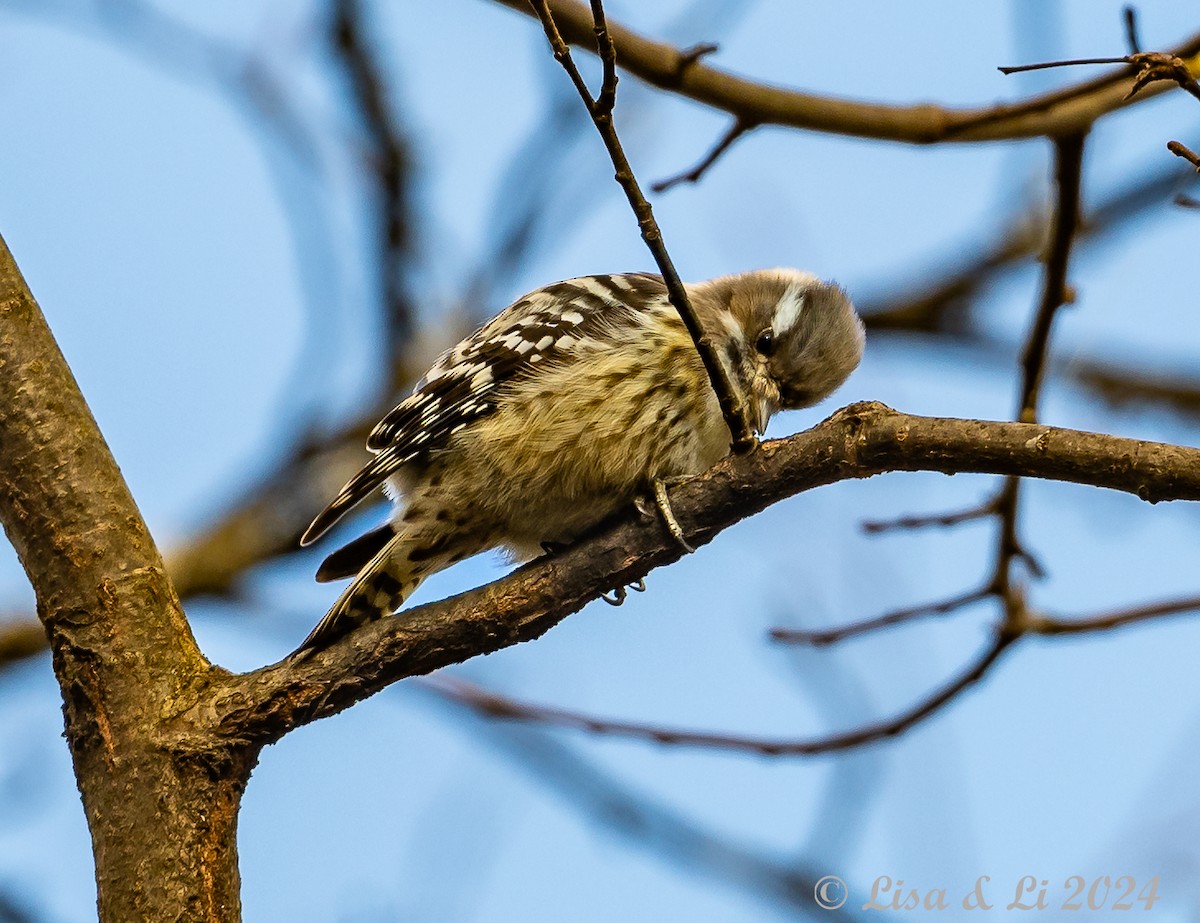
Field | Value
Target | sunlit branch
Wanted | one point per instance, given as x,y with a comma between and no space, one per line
668,68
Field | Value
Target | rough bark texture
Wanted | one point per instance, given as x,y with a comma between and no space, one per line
162,820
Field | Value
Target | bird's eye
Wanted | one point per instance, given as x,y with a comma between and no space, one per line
765,343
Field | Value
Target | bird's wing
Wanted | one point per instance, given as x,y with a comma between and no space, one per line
467,380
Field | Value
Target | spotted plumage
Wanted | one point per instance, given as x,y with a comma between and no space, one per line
564,407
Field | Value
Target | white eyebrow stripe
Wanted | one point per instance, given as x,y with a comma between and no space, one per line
790,307
732,327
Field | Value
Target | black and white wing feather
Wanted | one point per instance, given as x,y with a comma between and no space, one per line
467,380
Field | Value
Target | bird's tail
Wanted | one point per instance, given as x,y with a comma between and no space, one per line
389,578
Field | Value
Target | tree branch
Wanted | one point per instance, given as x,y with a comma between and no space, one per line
693,174
668,68
859,441
1118,618
391,166
1182,150
826,636
1068,169
497,706
494,705
20,639
64,505
123,653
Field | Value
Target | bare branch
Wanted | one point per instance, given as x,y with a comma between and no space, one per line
732,407
1072,62
668,68
735,131
1068,152
20,640
1068,171
1119,386
1119,618
1129,14
941,306
944,520
390,164
498,706
64,505
826,636
859,441
607,98
1152,66
1181,150
494,705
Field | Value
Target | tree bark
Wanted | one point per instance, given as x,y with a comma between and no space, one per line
162,816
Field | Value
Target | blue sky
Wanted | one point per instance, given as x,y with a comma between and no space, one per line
209,287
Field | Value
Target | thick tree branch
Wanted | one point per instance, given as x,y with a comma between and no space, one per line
123,653
857,442
668,68
63,502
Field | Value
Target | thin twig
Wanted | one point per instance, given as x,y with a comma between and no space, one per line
607,799
391,166
498,706
1068,152
1131,30
1068,170
1181,150
1070,62
924,520
1119,618
732,407
608,60
694,53
1152,66
1119,387
735,131
822,637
